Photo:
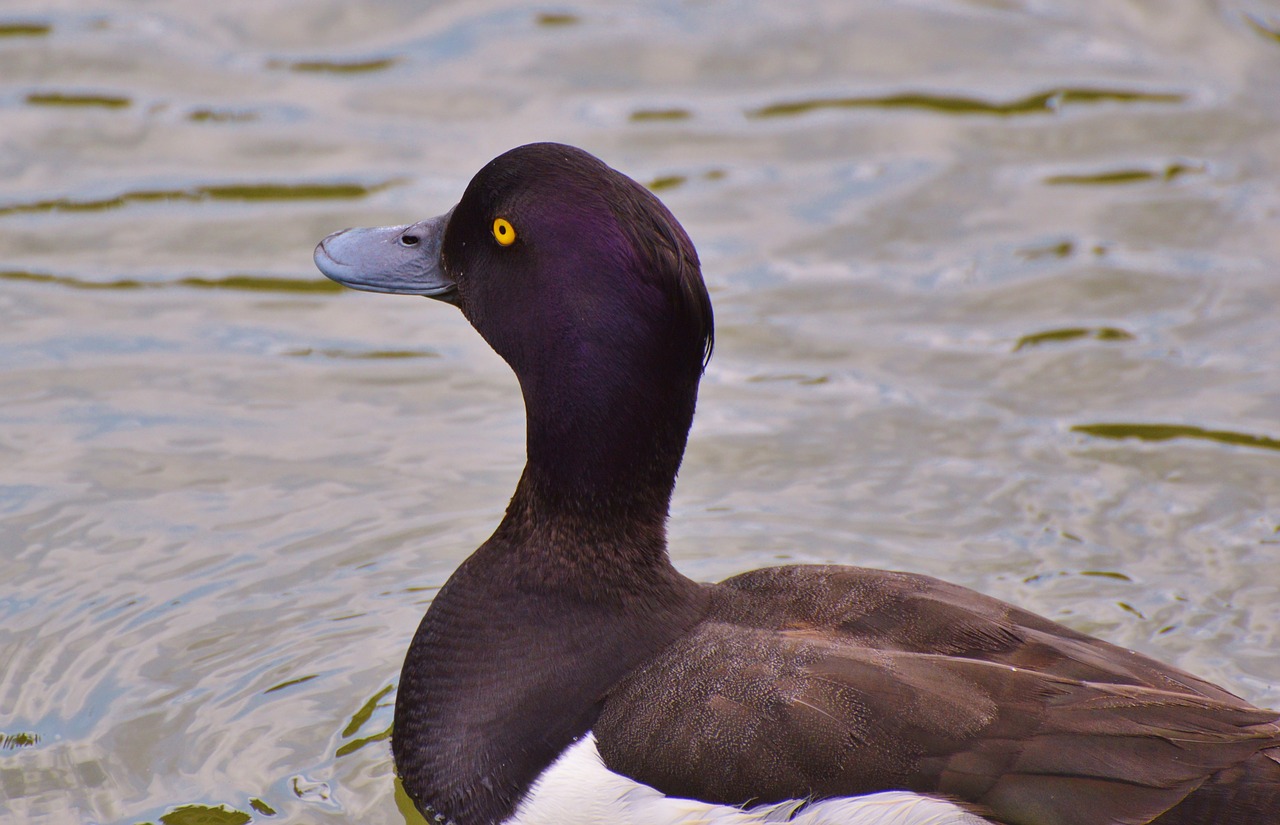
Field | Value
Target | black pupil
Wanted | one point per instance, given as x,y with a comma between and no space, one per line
408,240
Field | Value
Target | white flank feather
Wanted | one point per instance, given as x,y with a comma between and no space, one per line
579,790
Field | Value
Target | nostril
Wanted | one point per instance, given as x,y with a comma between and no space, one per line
408,240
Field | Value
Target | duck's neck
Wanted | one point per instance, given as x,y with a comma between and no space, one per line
607,450
572,592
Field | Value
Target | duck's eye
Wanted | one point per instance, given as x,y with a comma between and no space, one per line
503,232
408,240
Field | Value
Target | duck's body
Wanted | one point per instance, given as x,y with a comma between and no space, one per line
776,687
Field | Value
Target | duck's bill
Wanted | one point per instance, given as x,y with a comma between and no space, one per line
401,260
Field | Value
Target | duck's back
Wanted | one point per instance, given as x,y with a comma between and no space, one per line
833,681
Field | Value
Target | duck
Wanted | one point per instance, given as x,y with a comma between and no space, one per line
567,672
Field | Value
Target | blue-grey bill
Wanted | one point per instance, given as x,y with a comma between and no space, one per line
401,260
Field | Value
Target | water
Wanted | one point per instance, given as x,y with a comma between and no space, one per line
995,283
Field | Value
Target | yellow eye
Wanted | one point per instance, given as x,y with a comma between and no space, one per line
503,232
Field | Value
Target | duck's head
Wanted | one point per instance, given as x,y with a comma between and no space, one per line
581,280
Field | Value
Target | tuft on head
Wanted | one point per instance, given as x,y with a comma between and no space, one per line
655,230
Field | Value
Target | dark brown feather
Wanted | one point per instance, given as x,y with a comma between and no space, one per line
812,681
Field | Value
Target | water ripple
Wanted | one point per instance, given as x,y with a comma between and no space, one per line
1040,103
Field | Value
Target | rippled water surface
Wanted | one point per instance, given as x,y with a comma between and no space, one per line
997,285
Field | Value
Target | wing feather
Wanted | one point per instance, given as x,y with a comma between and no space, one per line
828,699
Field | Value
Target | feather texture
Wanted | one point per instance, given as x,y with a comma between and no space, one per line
838,681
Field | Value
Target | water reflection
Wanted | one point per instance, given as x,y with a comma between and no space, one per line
1039,103
1168,432
222,192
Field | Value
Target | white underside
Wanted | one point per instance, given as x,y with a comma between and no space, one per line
579,790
